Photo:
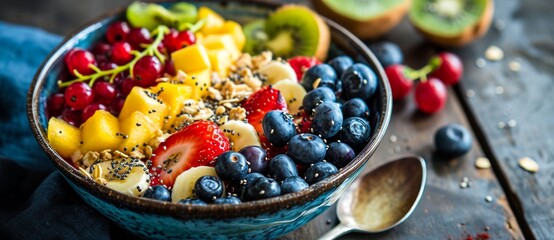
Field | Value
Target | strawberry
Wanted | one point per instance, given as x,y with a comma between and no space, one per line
300,64
260,103
271,150
303,122
195,145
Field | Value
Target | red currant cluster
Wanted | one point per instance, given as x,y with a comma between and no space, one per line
443,70
79,100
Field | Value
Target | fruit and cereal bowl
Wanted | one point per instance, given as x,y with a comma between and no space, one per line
210,119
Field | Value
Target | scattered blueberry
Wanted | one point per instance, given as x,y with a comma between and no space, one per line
323,71
231,166
339,154
340,64
281,167
327,119
355,107
293,184
355,132
387,53
247,181
208,188
328,84
359,81
192,201
262,188
319,171
257,157
452,141
158,192
316,97
306,148
278,127
228,200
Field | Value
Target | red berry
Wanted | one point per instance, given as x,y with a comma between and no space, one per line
139,36
116,106
127,85
121,53
104,92
261,102
72,117
56,104
101,48
79,60
431,95
170,67
450,69
176,40
78,95
90,110
117,32
147,70
300,64
399,82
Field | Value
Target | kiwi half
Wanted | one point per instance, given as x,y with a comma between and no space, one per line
365,18
452,22
150,15
256,37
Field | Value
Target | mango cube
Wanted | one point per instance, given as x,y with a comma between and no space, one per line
64,137
214,21
200,81
146,102
220,60
173,95
233,28
100,132
222,41
191,59
137,129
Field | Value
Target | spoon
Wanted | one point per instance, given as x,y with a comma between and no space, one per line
382,198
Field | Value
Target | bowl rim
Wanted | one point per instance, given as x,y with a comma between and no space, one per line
179,211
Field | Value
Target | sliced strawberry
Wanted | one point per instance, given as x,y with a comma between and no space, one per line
300,64
195,145
271,150
303,122
260,103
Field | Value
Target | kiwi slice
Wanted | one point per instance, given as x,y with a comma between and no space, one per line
365,18
184,12
150,15
256,37
452,22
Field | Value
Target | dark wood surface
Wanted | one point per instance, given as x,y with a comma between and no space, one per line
522,203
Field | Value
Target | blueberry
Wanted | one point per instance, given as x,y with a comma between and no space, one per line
355,132
228,200
452,141
262,188
278,127
192,201
355,107
359,81
158,192
231,166
327,119
339,154
340,64
319,171
281,167
315,97
257,157
208,188
328,84
247,182
293,184
323,71
387,53
306,148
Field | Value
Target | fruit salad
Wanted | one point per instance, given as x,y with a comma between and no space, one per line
179,104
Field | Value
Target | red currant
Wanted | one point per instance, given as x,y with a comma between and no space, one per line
431,95
117,105
450,69
101,49
79,60
117,32
169,68
127,85
147,70
56,104
91,109
78,95
139,36
104,92
399,82
121,53
72,117
176,40
300,64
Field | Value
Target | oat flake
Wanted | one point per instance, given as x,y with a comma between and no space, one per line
482,163
529,164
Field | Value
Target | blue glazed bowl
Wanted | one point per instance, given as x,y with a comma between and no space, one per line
262,219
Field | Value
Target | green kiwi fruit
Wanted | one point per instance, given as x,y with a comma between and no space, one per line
150,15
184,12
256,37
365,18
452,22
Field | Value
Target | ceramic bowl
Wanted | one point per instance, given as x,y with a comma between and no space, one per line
265,219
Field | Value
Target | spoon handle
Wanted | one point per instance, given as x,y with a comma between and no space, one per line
337,231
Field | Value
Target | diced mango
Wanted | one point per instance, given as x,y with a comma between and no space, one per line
233,28
138,129
222,41
214,21
146,102
63,137
191,59
100,132
199,37
173,96
220,60
200,82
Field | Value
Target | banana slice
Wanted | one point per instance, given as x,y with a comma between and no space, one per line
241,134
293,92
276,71
184,184
127,176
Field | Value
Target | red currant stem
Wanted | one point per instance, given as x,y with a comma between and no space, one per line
192,27
95,68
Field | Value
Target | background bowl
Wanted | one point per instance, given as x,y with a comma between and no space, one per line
269,218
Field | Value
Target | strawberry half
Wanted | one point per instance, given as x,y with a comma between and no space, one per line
303,122
260,103
195,145
300,64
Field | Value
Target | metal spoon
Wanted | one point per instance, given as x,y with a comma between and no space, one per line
381,199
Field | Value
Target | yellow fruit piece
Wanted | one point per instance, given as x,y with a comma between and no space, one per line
146,102
220,60
233,28
191,59
137,129
100,132
200,81
214,21
222,41
173,95
63,137
199,37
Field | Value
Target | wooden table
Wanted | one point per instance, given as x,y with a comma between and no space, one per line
521,204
